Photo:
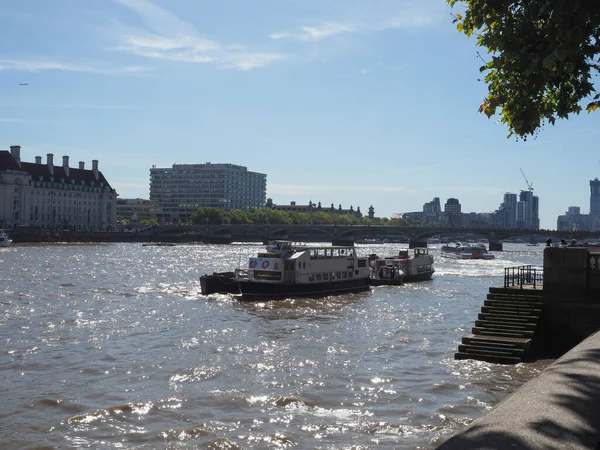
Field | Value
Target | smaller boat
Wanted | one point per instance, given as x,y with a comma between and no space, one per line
458,250
415,267
533,244
5,239
386,272
219,283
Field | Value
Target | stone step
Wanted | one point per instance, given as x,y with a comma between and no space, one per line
515,299
491,350
505,304
504,341
501,317
528,292
511,311
508,333
489,358
497,325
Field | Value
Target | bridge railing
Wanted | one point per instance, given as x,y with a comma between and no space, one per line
522,276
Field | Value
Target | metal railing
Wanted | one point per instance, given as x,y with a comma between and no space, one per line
523,276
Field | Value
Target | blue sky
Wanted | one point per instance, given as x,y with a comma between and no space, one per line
352,102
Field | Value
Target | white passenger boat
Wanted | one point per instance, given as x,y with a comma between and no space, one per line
288,270
457,250
5,240
417,266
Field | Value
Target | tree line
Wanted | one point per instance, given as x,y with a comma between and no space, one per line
267,216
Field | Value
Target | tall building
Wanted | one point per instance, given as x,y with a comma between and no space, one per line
433,210
452,213
506,215
528,211
51,196
182,189
595,205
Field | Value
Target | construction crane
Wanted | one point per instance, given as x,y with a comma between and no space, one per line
529,185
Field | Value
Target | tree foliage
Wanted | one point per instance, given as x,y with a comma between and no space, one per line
267,216
542,56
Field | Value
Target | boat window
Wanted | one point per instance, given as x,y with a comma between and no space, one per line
336,252
351,275
321,253
362,263
342,252
338,275
328,253
318,277
344,275
313,253
311,277
325,276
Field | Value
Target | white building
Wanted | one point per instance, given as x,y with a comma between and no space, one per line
54,197
179,191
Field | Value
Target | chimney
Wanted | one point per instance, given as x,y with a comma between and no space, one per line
38,159
50,163
95,168
81,165
15,152
66,165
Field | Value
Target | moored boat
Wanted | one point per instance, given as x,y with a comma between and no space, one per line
458,250
5,239
386,272
417,266
288,270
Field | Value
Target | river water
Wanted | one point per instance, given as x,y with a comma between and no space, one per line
112,346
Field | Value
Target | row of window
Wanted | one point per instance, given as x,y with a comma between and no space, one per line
330,276
330,253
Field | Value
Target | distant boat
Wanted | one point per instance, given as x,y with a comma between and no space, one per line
5,239
533,244
457,250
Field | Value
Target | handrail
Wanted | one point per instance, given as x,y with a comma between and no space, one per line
521,276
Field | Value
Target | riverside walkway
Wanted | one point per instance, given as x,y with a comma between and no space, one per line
559,409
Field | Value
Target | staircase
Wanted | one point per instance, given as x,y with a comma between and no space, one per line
505,328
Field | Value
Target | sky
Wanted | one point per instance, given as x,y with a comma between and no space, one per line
351,102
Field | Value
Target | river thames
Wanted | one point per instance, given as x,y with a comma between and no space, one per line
112,346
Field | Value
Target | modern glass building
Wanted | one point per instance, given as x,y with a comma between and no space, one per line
179,191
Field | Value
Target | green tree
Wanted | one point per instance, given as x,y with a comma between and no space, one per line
542,55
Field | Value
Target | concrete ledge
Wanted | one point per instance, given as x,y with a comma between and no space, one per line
559,409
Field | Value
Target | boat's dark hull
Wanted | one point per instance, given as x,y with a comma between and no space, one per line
219,283
425,276
256,290
388,282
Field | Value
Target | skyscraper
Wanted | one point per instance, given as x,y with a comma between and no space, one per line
595,205
452,212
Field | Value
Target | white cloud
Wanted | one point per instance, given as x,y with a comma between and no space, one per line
408,18
167,37
315,33
38,65
11,120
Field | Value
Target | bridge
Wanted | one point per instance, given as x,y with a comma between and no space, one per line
348,234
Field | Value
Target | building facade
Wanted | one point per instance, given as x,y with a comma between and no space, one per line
312,208
135,209
179,191
573,220
54,197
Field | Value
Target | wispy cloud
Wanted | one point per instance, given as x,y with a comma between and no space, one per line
167,37
407,19
38,65
316,33
11,120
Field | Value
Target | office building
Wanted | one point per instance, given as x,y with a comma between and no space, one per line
452,213
179,191
528,211
49,196
573,220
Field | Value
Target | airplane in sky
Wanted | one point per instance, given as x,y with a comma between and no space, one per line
23,84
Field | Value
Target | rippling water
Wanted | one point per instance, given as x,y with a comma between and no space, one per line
112,346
